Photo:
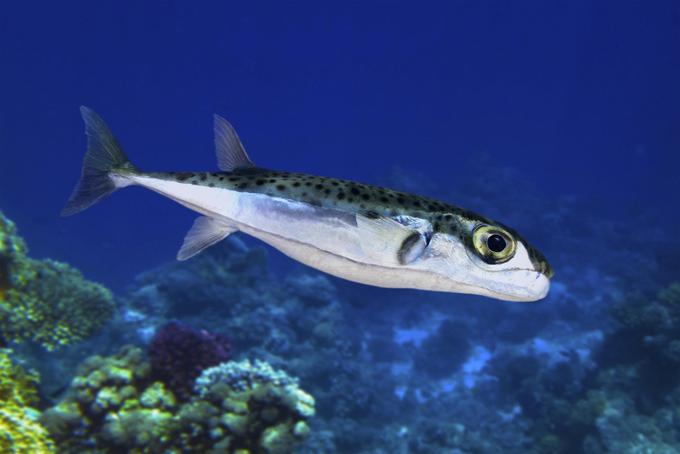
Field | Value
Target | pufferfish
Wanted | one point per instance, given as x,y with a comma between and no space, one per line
363,233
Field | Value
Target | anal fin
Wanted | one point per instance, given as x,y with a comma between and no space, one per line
203,233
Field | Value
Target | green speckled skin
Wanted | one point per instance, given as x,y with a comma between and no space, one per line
335,193
349,196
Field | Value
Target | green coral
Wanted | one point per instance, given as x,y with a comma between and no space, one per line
19,430
113,406
43,300
262,408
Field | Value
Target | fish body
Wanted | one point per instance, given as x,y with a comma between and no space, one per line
363,233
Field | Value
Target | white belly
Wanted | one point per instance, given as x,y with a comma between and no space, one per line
325,239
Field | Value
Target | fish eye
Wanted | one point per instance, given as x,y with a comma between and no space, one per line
493,244
496,243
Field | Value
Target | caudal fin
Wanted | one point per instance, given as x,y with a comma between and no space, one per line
103,156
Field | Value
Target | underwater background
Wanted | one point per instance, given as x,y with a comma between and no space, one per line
560,119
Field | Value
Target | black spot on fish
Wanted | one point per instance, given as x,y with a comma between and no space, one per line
183,176
280,187
416,203
221,178
365,197
194,182
355,191
335,183
383,199
272,181
204,177
212,185
296,184
341,195
400,200
260,182
319,186
308,184
326,191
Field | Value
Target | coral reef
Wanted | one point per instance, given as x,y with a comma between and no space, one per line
19,430
223,272
263,409
43,300
179,353
115,406
390,371
112,406
651,324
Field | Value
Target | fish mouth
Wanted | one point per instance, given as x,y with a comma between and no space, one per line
522,285
538,288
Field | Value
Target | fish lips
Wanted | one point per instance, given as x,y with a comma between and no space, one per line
521,285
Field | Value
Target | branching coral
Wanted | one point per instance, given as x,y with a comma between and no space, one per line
19,430
114,406
179,354
46,301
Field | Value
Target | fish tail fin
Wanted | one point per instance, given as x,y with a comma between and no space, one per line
104,157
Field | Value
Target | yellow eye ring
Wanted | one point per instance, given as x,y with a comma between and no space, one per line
493,244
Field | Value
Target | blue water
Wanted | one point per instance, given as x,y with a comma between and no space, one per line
561,119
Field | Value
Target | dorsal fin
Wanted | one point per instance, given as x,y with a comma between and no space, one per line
230,152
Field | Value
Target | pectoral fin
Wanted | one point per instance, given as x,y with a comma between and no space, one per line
389,242
204,233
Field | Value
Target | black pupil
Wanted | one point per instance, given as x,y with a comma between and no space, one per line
496,243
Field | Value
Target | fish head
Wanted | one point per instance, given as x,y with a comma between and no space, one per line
487,258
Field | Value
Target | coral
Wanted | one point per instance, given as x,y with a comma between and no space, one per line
46,301
19,430
263,409
222,271
103,402
649,331
241,376
114,406
624,431
179,353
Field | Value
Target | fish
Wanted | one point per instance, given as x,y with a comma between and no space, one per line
360,232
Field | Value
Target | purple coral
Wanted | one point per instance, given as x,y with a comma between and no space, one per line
179,353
